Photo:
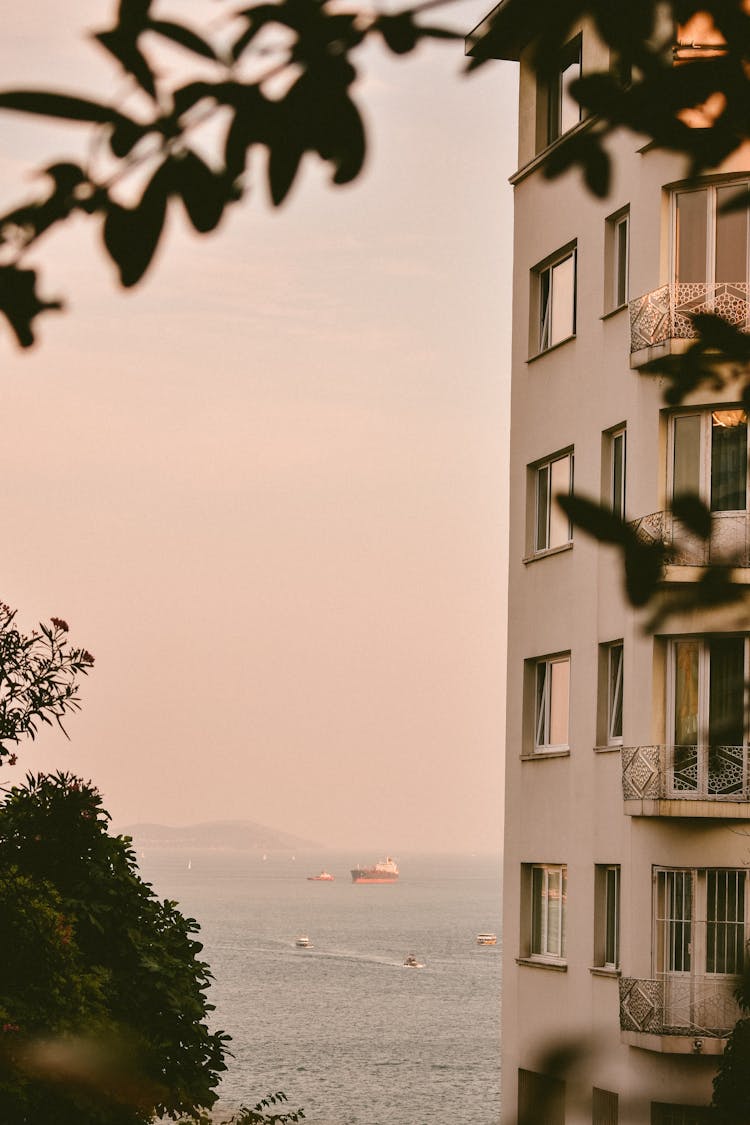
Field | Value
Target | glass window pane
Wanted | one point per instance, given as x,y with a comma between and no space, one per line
621,261
726,714
731,237
545,308
618,475
537,893
559,524
554,911
691,236
562,321
570,110
686,693
612,916
725,921
687,462
541,704
559,693
542,509
615,692
728,461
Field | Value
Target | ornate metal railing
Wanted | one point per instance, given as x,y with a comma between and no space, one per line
685,773
666,313
679,1004
728,544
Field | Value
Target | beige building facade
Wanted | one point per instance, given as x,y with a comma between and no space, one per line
627,830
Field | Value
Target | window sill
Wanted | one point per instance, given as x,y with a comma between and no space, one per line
610,748
543,963
540,755
546,554
613,312
541,156
601,971
551,348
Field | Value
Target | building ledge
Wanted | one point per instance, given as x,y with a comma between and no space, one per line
673,1044
541,157
546,554
540,755
539,963
601,971
672,807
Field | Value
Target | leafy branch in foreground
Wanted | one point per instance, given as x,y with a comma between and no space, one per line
279,78
39,675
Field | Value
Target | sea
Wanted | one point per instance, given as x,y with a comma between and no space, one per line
348,1032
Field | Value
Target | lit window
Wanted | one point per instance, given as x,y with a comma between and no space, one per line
607,916
556,285
564,112
617,260
552,699
710,458
711,245
548,895
552,478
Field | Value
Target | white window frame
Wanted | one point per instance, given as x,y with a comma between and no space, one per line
704,487
681,945
540,546
615,692
543,704
540,876
607,916
617,260
571,59
618,438
711,190
546,308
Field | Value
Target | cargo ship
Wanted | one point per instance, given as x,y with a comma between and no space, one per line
385,871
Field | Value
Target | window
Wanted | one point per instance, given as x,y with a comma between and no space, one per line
607,915
551,478
664,1113
617,260
548,895
700,921
706,716
711,246
551,702
563,111
541,1099
609,709
604,1107
555,285
709,457
615,463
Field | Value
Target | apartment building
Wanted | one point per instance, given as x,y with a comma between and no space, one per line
627,838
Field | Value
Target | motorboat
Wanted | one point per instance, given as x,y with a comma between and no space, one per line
303,942
486,939
411,962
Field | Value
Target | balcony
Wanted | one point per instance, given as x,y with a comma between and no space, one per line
678,1013
686,781
659,318
728,544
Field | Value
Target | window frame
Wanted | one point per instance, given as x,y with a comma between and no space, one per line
681,945
569,57
617,261
543,702
705,414
711,189
537,469
615,697
607,915
618,493
540,912
543,301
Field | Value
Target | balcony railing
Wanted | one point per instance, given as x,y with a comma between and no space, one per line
685,773
666,313
679,1004
727,545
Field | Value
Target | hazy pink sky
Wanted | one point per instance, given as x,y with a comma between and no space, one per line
266,489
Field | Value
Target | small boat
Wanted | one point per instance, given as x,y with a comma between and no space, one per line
324,877
412,963
303,942
486,939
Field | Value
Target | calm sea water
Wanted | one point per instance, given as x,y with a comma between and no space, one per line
344,1028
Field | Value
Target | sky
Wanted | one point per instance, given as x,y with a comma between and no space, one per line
267,488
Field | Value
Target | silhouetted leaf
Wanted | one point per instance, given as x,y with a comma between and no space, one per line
399,32
20,303
283,164
691,511
203,192
182,36
60,105
124,47
595,519
131,235
644,567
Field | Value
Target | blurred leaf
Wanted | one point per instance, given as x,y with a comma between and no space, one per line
399,32
124,47
61,105
691,511
203,192
595,519
182,36
131,235
644,568
20,303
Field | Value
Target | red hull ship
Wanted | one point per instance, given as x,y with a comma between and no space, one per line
385,871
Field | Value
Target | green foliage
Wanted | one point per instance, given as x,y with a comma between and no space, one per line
104,1015
38,678
315,113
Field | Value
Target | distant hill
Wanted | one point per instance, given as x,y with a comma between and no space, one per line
234,835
